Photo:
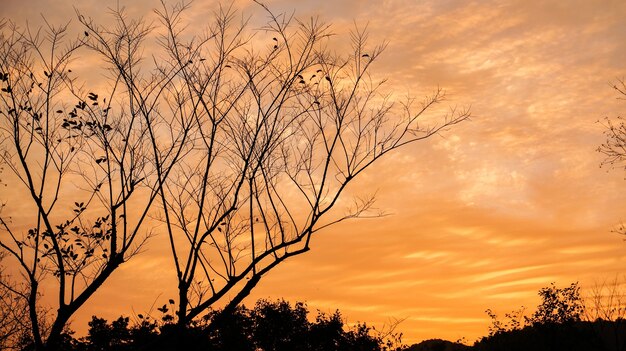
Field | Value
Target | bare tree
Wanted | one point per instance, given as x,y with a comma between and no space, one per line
282,126
87,172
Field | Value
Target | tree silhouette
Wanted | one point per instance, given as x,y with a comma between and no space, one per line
241,141
80,171
280,129
558,306
556,324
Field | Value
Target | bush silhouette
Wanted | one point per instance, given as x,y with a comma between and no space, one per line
269,326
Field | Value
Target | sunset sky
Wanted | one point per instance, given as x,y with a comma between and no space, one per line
482,216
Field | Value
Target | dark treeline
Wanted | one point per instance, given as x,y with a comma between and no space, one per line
599,335
268,326
562,321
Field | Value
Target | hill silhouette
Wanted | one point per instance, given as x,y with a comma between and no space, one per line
438,345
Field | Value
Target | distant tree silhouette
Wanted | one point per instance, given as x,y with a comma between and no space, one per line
555,325
558,305
244,139
103,336
279,326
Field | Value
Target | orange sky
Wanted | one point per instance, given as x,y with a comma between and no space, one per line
480,218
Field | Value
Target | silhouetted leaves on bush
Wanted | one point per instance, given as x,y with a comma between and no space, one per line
555,325
269,326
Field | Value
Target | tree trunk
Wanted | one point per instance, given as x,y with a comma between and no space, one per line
32,307
182,321
53,343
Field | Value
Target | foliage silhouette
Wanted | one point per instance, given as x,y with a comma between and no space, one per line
555,325
559,306
271,326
